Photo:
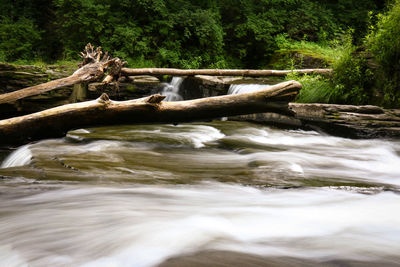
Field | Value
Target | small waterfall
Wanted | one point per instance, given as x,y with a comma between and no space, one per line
19,157
171,90
235,89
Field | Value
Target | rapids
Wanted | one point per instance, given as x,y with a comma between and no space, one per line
168,195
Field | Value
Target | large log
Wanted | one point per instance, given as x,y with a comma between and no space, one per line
92,68
57,121
219,72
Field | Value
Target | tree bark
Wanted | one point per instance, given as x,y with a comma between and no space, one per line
219,72
56,122
92,68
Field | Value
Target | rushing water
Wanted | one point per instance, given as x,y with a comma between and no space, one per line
171,90
201,194
245,88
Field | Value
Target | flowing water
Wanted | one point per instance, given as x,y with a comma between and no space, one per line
171,90
245,88
203,194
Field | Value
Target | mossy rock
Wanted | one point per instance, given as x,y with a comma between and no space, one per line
297,59
15,77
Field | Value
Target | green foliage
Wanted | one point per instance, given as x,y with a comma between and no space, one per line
353,78
352,81
17,39
353,14
311,21
325,51
174,33
316,88
384,43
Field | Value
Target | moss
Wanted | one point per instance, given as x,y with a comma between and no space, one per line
130,88
298,58
166,78
336,116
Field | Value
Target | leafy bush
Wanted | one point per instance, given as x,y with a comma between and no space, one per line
179,33
18,39
353,79
384,43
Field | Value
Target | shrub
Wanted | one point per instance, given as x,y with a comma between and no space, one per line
18,40
352,79
384,43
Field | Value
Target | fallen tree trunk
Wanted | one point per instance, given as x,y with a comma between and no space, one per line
91,69
56,122
219,72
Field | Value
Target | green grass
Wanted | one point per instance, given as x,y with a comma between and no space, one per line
328,51
316,88
43,64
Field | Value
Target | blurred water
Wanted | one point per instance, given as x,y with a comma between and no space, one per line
19,157
245,88
171,90
139,195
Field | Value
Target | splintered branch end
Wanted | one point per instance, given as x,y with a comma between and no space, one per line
154,99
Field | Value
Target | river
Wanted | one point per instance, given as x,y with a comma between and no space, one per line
221,193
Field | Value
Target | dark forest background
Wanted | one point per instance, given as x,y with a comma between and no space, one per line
178,33
359,39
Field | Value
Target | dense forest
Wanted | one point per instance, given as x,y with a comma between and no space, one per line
358,38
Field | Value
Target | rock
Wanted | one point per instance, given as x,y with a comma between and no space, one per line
340,120
144,79
16,77
296,58
125,90
200,86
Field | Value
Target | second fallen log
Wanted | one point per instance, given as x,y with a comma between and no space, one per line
56,122
220,72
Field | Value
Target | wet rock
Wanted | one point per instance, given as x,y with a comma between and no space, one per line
340,120
220,258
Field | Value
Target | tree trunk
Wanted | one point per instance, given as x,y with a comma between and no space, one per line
57,121
91,69
219,72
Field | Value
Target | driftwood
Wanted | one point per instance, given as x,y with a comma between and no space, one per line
92,68
219,72
57,121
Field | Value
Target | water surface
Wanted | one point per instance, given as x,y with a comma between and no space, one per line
163,194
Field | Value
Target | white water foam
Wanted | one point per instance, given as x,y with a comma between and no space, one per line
20,157
245,88
201,134
316,155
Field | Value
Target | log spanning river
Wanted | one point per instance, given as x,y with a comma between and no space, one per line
204,194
